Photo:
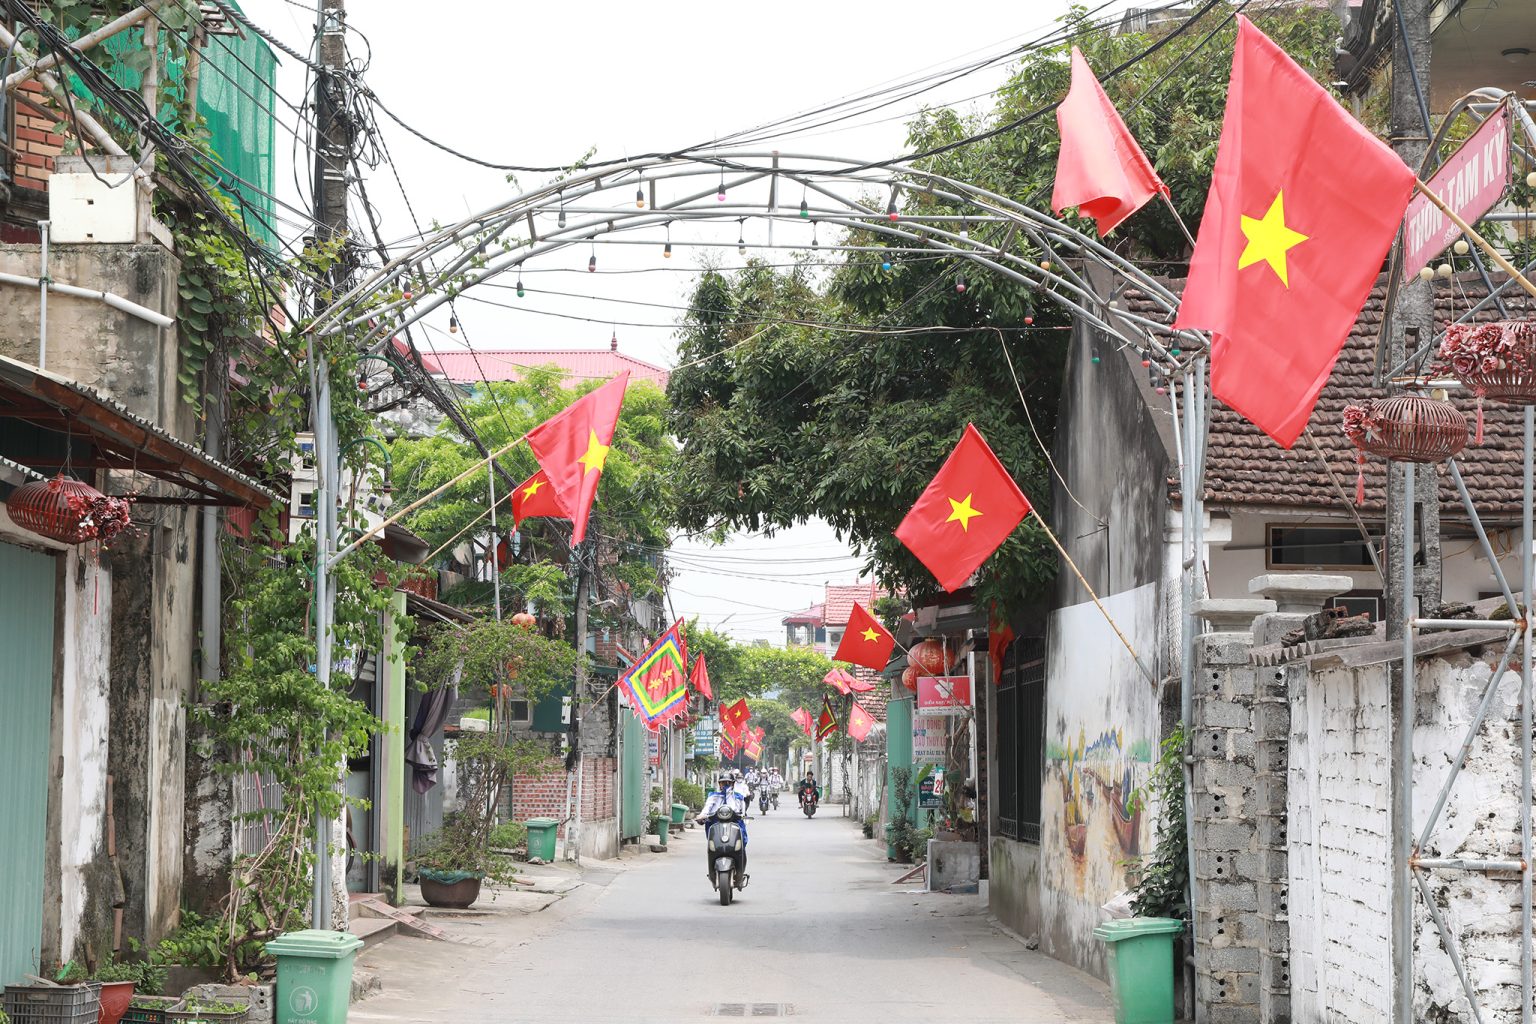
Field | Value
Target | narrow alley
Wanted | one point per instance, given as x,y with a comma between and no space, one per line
819,933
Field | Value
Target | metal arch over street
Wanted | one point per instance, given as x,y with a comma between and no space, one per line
1032,248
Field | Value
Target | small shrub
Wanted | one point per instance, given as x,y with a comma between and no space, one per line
509,835
196,942
691,794
869,826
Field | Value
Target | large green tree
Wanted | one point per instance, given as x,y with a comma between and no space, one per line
781,421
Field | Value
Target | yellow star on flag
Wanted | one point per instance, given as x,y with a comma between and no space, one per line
962,512
1269,239
870,635
532,488
596,455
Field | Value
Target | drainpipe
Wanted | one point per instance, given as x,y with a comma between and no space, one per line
212,582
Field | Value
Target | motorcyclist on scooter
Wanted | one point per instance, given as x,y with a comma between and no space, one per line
807,787
726,796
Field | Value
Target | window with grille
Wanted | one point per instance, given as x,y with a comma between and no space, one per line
1021,739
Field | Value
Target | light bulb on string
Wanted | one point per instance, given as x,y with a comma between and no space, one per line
741,236
520,292
560,223
814,243
592,262
666,252
965,229
453,325
640,197
720,196
960,284
805,210
885,264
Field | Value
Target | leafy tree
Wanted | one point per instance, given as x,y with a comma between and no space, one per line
783,422
793,675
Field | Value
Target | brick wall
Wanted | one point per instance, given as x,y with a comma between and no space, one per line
544,796
34,138
599,783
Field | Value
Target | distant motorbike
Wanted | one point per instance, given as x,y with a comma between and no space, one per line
767,797
808,803
727,854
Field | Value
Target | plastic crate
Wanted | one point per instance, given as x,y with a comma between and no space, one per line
53,1004
184,1013
151,1014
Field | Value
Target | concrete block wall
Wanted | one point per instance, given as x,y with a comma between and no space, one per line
1224,834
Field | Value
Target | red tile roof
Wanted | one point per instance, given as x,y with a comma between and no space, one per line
812,616
1246,469
404,351
503,364
840,599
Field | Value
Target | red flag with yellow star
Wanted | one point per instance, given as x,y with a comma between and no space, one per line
534,497
969,508
733,717
865,642
859,722
1304,203
572,447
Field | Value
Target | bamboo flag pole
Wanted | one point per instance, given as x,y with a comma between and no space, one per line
1482,243
413,506
1097,603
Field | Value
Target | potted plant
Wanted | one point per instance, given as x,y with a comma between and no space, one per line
118,981
461,855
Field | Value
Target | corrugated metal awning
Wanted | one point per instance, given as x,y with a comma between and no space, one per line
114,438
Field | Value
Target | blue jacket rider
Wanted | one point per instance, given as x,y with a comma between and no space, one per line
726,796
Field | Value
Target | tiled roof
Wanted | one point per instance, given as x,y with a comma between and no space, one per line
875,700
1244,468
404,351
840,599
502,364
814,616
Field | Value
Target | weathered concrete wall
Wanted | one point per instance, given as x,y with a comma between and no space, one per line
1013,893
133,362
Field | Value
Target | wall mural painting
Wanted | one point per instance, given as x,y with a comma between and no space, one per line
1101,740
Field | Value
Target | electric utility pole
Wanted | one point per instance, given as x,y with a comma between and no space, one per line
1412,324
334,144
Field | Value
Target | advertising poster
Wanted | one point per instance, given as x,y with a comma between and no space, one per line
943,695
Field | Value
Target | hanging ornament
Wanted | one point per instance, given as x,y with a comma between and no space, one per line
960,284
520,292
741,236
720,195
453,325
561,221
805,210
640,198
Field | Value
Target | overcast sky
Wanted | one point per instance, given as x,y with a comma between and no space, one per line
540,85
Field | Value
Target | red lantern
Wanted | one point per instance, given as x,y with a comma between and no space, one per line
929,657
909,678
525,620
44,507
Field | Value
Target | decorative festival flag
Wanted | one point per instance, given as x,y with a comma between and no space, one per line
572,447
1100,169
727,747
534,497
734,716
826,724
968,509
839,680
859,722
657,684
1304,203
753,750
802,718
865,642
999,636
700,678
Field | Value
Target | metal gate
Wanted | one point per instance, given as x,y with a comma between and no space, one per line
632,780
26,693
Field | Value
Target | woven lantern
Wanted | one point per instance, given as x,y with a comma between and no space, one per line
44,507
1495,360
1406,428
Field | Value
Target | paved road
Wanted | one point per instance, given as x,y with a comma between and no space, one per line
820,933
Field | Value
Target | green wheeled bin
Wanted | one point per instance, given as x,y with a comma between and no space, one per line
1141,967
314,976
541,839
679,813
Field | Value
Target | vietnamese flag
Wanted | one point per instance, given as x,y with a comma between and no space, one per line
802,718
839,680
534,497
968,509
572,447
858,685
859,722
865,642
1100,168
699,677
826,724
734,716
999,636
1304,204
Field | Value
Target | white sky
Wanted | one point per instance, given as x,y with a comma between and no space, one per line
540,85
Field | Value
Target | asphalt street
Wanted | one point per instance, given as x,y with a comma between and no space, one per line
820,933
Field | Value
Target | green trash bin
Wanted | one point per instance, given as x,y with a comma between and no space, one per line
679,813
314,976
541,838
1141,967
